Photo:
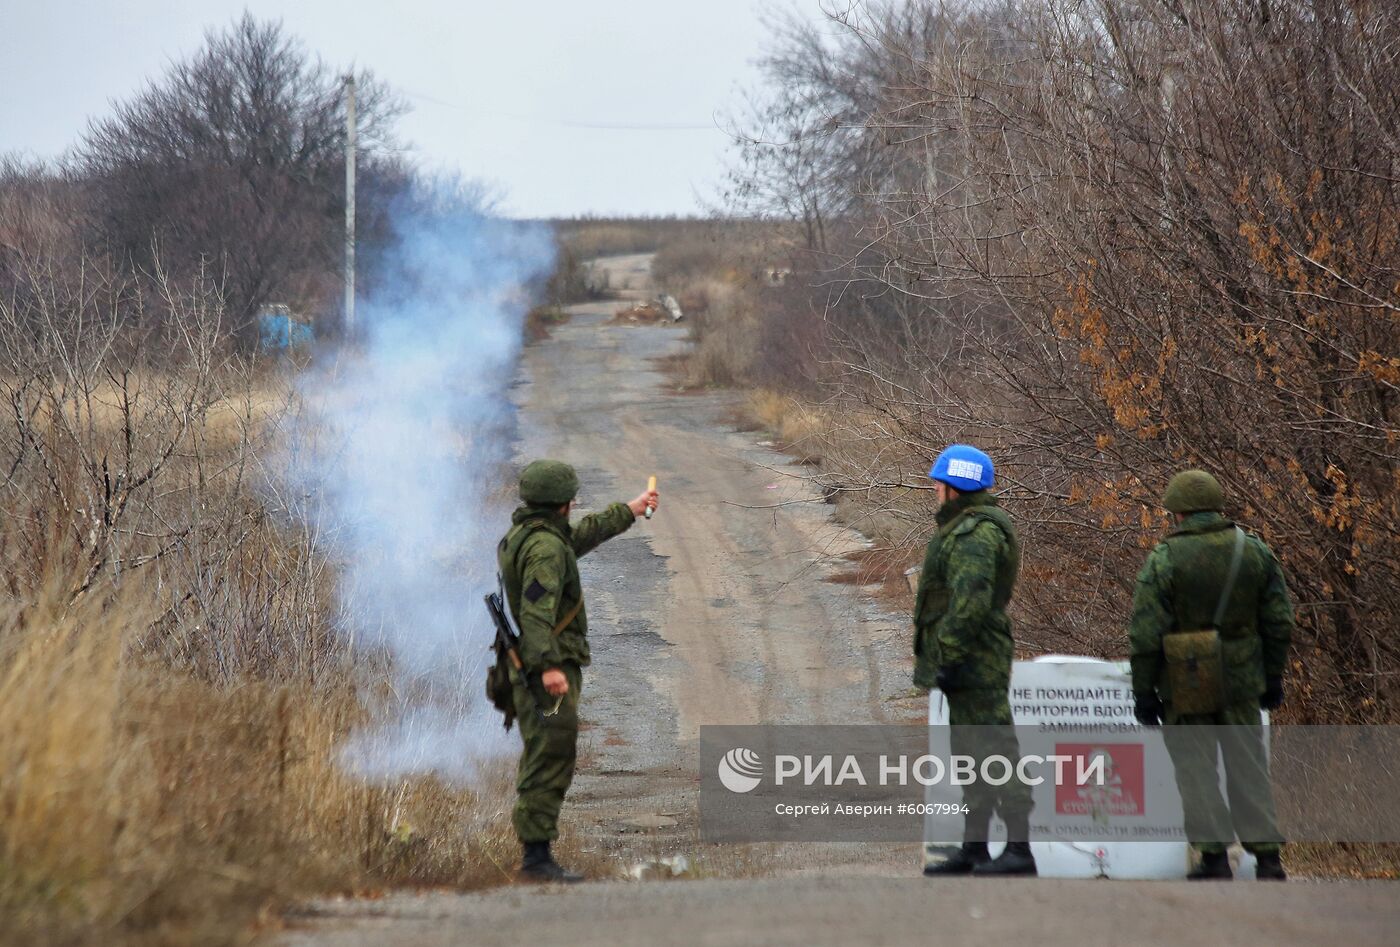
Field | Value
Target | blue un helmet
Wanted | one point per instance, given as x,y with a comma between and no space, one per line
963,467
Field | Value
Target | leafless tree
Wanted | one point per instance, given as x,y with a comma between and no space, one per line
234,161
1114,238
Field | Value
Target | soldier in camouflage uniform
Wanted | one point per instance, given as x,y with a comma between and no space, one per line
1180,589
538,560
963,646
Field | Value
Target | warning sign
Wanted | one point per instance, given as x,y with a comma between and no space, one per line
1120,793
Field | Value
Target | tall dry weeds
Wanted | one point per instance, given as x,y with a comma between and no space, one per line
173,694
143,805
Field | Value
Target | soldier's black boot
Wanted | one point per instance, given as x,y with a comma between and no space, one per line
1214,866
961,862
1269,867
974,847
539,865
1016,858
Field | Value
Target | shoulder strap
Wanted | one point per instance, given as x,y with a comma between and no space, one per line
990,514
966,522
515,540
564,622
1235,558
998,518
530,526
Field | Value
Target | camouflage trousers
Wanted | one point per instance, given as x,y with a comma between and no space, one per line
1236,734
980,722
547,760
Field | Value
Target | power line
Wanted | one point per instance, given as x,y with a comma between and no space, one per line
565,122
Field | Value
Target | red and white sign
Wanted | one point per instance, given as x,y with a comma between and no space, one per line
1131,827
1123,791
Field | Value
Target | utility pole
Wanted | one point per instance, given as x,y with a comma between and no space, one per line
349,203
1172,71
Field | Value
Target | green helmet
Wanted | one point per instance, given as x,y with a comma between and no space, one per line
1192,491
548,483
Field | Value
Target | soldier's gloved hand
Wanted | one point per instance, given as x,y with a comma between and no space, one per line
1148,710
1272,698
949,677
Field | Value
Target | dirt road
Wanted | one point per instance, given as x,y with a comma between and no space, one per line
716,611
875,911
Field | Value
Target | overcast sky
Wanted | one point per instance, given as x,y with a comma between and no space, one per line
499,89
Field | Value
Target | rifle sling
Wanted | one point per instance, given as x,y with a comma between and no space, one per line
573,612
1235,558
564,622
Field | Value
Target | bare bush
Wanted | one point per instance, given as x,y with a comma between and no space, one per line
132,454
234,162
173,698
174,695
1110,240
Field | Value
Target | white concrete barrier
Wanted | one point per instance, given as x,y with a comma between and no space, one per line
1083,707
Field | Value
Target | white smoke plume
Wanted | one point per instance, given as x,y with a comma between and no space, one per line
408,430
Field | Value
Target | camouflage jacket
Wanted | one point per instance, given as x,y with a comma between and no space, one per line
538,559
1179,589
960,607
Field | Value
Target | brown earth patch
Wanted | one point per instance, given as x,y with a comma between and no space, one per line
879,567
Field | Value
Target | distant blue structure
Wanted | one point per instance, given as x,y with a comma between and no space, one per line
279,332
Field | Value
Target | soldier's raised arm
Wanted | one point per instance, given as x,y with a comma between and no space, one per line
593,530
597,528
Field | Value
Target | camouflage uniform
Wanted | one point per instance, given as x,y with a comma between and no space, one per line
1179,588
539,565
962,635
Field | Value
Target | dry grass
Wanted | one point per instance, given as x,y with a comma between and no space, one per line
725,330
142,805
1343,860
541,319
717,270
880,570
591,237
734,252
797,428
174,698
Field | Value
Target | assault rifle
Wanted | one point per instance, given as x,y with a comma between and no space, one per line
507,648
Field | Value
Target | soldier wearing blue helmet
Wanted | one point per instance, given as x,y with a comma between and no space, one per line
963,646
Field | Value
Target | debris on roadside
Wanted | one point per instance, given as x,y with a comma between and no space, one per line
663,869
641,314
671,306
280,331
662,309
